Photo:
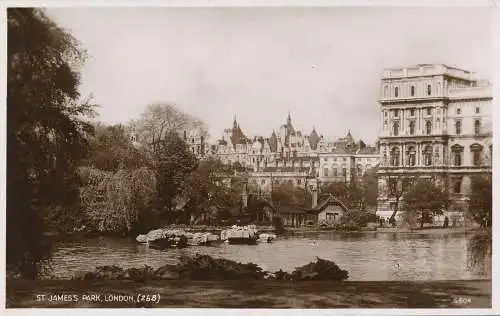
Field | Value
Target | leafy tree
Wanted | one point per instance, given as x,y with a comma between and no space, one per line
111,149
46,132
351,195
369,187
282,194
422,201
159,120
397,188
481,202
210,187
117,202
174,162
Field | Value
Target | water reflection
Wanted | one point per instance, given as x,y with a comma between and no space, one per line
367,256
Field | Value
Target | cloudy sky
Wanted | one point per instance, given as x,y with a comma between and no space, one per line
321,64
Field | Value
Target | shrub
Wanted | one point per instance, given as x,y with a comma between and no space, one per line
320,270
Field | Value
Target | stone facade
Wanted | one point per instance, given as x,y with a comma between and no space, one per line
436,122
292,156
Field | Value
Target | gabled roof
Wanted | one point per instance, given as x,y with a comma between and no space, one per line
367,150
291,209
328,201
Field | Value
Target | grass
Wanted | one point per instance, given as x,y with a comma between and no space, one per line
260,294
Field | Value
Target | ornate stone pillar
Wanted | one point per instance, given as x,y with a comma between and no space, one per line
401,153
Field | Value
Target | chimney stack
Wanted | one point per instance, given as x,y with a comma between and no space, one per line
314,192
244,195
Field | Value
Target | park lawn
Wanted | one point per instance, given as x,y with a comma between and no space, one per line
261,294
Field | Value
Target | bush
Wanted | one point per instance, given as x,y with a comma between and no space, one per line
204,267
357,219
320,270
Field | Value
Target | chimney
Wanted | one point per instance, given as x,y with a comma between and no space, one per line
244,195
314,198
314,192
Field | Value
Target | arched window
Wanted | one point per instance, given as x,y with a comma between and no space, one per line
412,91
477,110
427,155
477,127
335,172
396,92
344,171
457,152
386,92
395,155
325,172
411,156
395,128
428,127
429,89
458,127
412,127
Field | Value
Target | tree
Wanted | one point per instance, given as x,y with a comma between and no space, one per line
282,194
481,202
397,188
422,201
111,149
174,162
210,187
339,190
369,187
117,202
349,194
46,132
159,120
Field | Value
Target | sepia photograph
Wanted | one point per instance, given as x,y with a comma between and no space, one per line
249,157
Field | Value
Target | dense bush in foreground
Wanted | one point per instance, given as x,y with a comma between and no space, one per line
204,267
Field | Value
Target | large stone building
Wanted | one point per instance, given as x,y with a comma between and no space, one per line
290,156
436,122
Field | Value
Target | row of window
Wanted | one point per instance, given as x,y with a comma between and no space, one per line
335,172
277,181
428,127
457,154
393,185
396,91
335,159
428,111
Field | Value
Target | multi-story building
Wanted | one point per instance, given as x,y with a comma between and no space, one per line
290,156
436,123
347,161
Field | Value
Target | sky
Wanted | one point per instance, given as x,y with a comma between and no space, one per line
323,65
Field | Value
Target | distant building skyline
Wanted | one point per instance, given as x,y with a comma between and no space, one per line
322,64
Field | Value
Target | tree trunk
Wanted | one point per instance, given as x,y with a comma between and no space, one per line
422,220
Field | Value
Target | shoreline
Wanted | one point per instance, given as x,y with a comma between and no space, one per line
288,231
257,294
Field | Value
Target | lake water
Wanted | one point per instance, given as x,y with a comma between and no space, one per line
367,256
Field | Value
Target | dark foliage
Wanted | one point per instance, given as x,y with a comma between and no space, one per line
174,162
481,200
46,133
204,267
320,270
